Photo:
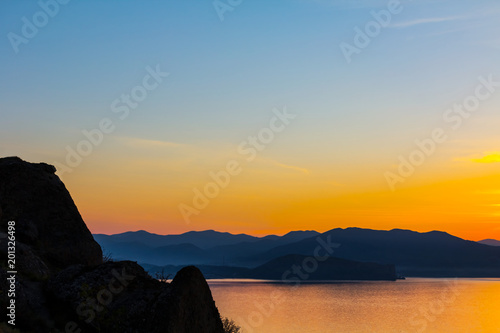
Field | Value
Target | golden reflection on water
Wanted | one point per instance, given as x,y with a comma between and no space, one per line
409,306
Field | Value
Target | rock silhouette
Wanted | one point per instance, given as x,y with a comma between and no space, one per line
62,283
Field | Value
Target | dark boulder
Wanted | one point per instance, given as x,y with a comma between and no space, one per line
46,217
122,297
192,303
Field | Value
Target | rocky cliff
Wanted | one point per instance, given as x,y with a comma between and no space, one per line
62,284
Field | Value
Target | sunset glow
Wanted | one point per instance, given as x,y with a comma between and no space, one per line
171,120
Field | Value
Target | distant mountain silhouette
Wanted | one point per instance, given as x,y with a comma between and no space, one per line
200,247
282,269
202,239
242,254
431,254
491,242
177,254
330,269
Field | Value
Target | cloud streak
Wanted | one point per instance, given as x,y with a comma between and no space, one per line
488,157
292,167
424,21
146,143
492,157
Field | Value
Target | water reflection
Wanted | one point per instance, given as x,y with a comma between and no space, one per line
412,305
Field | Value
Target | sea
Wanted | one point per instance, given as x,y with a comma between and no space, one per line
413,305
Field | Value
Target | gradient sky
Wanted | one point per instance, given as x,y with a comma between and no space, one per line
324,170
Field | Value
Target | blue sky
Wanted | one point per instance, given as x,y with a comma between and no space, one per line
260,57
226,77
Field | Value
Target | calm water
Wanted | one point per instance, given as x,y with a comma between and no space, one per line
412,305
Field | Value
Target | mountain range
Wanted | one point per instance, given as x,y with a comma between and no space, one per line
429,254
491,242
195,247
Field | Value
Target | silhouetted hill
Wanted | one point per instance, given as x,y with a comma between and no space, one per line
330,269
491,242
295,236
414,254
179,254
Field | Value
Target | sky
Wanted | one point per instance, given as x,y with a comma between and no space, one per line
260,117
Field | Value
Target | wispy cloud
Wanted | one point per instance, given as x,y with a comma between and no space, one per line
146,143
349,4
291,167
412,23
491,157
487,157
